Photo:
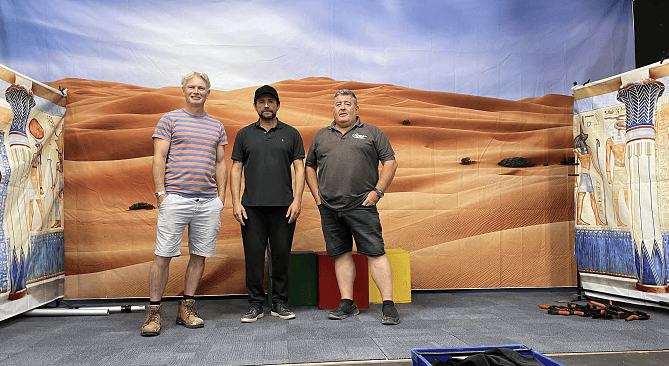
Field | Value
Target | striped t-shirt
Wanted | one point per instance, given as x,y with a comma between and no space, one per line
191,161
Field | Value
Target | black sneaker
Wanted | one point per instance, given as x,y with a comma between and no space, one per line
282,311
343,311
390,316
252,314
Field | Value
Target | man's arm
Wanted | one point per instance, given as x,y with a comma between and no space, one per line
312,182
577,158
296,207
595,162
385,178
221,172
55,180
238,210
160,150
609,150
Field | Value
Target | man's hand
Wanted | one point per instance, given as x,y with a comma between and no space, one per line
161,198
239,213
372,199
294,211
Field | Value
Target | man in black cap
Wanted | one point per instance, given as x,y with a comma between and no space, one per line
264,151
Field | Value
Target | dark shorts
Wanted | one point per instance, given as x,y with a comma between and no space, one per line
341,227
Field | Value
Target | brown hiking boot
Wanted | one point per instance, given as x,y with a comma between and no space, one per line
187,315
151,326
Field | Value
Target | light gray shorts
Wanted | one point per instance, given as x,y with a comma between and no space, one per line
201,215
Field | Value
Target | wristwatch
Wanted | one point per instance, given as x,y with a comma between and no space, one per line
378,193
158,194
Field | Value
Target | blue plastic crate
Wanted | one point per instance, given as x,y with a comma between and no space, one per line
423,356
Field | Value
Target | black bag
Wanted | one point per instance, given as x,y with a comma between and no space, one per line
491,357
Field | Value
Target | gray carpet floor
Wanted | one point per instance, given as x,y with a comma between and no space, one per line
432,320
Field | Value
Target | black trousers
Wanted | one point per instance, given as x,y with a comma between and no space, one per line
267,224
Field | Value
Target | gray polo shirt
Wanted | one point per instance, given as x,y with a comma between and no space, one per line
348,164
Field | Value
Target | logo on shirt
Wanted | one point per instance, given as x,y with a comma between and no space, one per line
359,136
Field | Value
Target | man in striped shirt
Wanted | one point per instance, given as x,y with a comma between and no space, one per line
189,175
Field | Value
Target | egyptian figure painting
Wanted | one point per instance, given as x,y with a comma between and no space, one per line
31,193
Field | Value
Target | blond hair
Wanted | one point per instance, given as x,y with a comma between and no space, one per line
193,74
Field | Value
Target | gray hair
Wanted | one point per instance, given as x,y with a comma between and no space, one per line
347,92
193,74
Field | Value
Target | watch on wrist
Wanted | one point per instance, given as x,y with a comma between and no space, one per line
158,194
378,193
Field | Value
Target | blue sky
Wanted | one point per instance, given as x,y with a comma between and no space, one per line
506,49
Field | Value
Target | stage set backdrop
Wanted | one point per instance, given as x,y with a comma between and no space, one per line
446,80
32,267
621,138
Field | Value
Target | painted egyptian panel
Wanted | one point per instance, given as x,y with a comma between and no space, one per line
31,193
621,142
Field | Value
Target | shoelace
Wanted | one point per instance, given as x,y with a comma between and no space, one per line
189,309
153,316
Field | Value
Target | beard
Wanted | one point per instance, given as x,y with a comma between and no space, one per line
271,117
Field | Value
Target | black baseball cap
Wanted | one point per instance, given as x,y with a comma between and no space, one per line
266,89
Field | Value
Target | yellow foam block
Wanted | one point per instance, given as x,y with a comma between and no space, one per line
400,261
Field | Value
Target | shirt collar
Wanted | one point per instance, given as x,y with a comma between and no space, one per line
279,124
358,123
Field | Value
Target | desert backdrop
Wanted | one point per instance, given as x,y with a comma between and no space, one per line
465,226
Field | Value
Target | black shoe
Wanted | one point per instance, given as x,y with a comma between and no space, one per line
252,314
343,311
390,316
282,311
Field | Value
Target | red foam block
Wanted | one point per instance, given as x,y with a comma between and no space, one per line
328,289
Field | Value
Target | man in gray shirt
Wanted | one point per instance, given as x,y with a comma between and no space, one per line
343,176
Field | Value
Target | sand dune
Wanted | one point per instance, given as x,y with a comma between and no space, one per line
478,225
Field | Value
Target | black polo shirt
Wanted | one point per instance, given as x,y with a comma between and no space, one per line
348,164
267,157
